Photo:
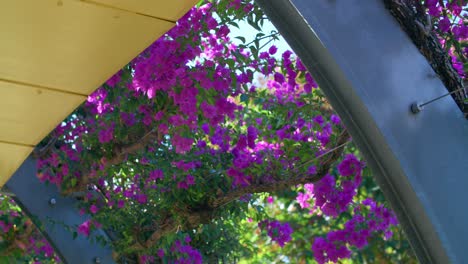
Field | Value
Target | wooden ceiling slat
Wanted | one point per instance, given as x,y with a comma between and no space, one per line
70,45
28,114
163,9
11,156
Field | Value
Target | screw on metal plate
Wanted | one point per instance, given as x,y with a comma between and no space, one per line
52,201
416,108
97,260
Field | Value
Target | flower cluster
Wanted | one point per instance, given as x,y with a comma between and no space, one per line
18,235
330,198
277,231
451,28
369,219
187,254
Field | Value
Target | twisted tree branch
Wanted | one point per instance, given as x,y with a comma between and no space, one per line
120,153
325,166
194,218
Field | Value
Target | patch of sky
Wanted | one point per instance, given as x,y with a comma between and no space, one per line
249,33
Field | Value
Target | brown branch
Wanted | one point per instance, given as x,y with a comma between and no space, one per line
194,218
41,151
167,227
325,166
119,155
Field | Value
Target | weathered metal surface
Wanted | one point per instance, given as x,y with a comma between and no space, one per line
371,73
44,203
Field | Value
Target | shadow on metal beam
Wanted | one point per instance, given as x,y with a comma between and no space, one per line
371,73
44,203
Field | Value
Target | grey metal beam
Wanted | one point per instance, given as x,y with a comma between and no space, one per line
371,73
45,203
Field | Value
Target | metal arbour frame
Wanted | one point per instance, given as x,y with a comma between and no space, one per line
44,203
371,73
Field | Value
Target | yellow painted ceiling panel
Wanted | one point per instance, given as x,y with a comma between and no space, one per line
28,114
169,10
53,53
70,45
11,157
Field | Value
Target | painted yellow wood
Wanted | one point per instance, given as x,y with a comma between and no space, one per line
70,45
11,156
168,10
27,114
53,53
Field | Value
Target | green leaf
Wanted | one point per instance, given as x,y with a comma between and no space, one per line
73,182
241,39
252,23
244,98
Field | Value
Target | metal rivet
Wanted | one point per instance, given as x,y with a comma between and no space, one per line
416,108
52,201
97,260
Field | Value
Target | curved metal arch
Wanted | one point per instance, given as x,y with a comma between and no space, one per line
371,73
44,203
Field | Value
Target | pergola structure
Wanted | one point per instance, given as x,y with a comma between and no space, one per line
53,54
372,74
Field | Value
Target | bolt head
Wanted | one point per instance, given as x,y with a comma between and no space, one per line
416,108
53,201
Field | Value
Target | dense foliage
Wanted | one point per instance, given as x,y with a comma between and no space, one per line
201,149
